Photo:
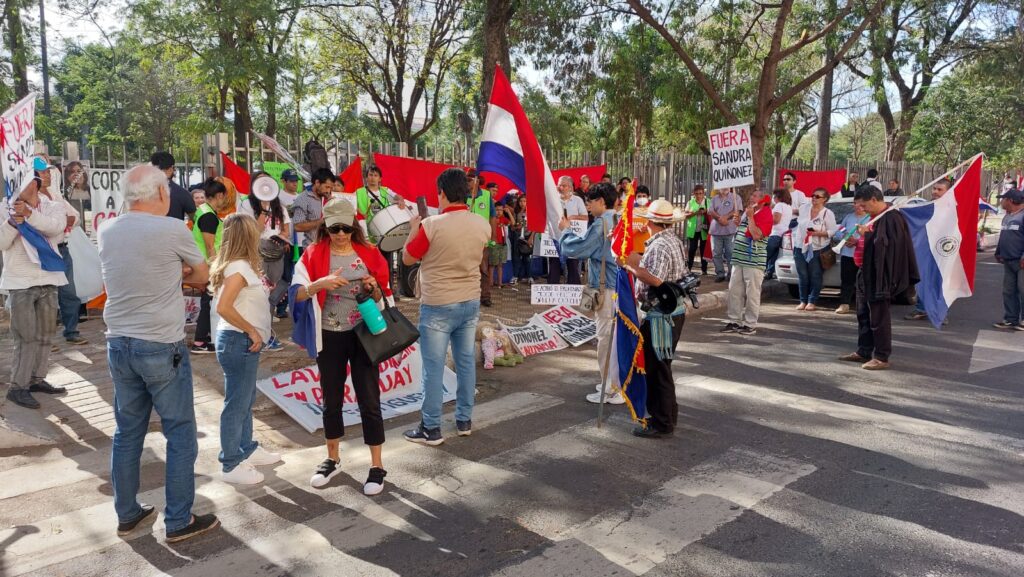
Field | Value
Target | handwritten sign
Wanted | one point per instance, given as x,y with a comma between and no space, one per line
570,324
107,197
17,142
534,338
556,294
732,163
299,394
578,227
547,246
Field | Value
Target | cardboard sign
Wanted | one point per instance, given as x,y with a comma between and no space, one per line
107,197
534,338
732,163
18,142
298,392
191,310
570,324
547,246
556,294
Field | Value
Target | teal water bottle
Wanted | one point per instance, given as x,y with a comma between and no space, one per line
371,314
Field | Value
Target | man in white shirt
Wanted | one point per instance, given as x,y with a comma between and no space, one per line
575,210
33,290
68,303
801,202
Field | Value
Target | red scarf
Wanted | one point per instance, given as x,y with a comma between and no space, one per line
317,260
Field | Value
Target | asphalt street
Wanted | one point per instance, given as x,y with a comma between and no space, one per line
787,463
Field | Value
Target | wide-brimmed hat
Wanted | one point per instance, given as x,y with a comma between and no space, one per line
661,211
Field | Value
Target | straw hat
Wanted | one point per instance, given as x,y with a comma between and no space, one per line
661,211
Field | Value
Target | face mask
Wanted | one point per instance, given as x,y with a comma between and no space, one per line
641,202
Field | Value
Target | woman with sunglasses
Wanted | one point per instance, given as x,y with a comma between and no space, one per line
331,273
812,235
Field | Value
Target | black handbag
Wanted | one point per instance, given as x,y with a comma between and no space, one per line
400,334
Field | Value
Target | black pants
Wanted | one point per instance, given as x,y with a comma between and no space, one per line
697,243
390,258
874,326
661,389
341,349
848,275
572,274
203,322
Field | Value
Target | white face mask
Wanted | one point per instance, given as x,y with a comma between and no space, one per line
642,201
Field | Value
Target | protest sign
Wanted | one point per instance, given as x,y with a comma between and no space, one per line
298,392
18,141
275,169
107,198
732,163
570,324
578,227
535,337
556,294
547,246
191,310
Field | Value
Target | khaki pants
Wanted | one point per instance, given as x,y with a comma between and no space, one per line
605,319
745,295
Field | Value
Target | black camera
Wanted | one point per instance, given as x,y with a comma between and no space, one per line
665,298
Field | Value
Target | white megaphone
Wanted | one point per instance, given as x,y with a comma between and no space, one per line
265,188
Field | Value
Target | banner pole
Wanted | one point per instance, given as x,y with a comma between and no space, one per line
947,173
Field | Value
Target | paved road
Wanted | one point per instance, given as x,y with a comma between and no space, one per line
788,464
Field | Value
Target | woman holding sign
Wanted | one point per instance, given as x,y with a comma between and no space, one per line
334,274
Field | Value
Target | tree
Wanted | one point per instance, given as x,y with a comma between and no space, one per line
399,53
776,20
17,46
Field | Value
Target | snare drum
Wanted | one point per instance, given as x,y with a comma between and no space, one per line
390,228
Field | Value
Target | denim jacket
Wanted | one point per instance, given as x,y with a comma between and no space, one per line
591,247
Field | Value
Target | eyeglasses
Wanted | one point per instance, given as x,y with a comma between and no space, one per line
340,228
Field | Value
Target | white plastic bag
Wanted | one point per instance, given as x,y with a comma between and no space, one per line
86,259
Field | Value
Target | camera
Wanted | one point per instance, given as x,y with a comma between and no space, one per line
665,298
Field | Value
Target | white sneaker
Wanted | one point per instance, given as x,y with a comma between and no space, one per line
375,482
243,474
612,399
261,457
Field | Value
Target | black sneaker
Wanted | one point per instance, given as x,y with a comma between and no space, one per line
374,484
649,432
202,348
41,386
747,331
22,398
719,279
1004,325
129,526
424,436
324,473
465,428
487,303
731,328
200,524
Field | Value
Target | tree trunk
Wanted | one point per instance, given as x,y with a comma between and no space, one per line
271,93
758,137
16,44
243,116
497,17
824,117
896,144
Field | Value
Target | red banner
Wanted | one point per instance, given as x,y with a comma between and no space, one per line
808,180
353,175
237,174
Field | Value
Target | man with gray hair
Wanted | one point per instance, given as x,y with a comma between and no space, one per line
575,210
145,257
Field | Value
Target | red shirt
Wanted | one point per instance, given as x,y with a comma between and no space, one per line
420,244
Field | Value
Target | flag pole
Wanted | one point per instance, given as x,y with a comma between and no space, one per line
947,173
604,381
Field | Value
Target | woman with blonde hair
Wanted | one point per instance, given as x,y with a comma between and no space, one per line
240,299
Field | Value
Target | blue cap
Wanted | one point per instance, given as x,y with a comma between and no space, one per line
1016,196
289,175
39,164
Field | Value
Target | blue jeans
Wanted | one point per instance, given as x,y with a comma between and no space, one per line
774,247
239,366
67,298
721,248
150,375
1013,291
810,275
439,325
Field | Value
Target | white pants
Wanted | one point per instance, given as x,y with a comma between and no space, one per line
745,295
605,317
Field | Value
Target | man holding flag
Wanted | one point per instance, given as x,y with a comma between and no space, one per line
1010,252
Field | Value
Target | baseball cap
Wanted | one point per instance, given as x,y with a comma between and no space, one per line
1015,196
339,211
289,175
39,164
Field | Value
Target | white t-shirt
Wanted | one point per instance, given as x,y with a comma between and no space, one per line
801,202
252,301
780,228
268,231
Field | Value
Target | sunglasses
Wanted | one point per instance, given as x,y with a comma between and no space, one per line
340,228
820,196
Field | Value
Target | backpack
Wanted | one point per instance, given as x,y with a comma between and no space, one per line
314,155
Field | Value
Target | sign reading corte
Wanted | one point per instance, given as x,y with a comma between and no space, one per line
107,197
732,163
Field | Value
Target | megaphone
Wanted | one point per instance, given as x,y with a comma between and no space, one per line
265,188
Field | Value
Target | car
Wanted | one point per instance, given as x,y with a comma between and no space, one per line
785,268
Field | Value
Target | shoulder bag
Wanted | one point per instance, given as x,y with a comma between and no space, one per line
399,335
590,300
827,255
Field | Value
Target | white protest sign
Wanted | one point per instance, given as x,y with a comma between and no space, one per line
556,294
578,227
570,324
732,163
107,197
299,394
547,246
17,141
535,337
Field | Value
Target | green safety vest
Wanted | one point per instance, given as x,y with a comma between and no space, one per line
363,201
481,205
198,234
